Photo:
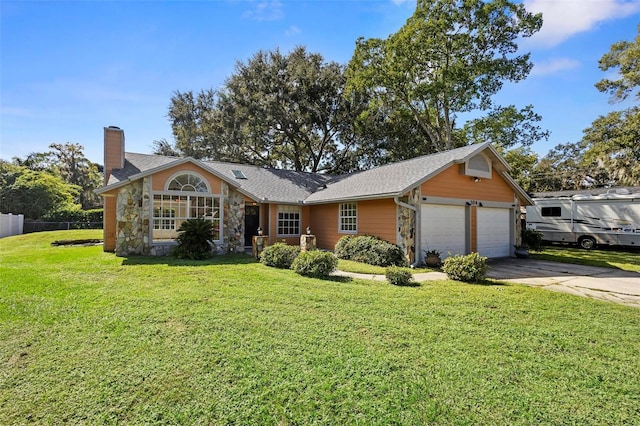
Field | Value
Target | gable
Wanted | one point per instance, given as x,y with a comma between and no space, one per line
454,183
161,178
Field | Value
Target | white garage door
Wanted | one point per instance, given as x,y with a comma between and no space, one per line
493,232
443,229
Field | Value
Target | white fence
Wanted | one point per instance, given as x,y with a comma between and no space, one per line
11,224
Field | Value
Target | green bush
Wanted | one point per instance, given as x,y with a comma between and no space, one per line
315,263
195,240
531,239
468,268
369,249
279,255
398,276
74,214
342,250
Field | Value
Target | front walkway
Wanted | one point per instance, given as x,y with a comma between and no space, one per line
613,285
424,276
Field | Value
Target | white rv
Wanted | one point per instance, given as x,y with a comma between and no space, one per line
610,218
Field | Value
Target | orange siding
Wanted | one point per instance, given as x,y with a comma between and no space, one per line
160,178
305,220
375,217
113,151
109,224
264,219
324,225
379,218
452,184
273,225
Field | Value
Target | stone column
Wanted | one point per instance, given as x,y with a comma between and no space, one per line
307,242
259,243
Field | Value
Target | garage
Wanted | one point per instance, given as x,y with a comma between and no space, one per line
443,229
493,235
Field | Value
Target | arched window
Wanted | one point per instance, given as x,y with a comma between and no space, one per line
186,196
188,182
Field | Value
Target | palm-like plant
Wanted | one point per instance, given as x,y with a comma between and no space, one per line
195,239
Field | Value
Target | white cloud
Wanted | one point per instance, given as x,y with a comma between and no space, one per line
564,18
553,66
292,30
265,10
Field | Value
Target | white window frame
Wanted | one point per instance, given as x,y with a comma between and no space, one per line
180,173
287,209
184,205
470,171
348,218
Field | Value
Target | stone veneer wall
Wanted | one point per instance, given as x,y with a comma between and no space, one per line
129,223
233,228
407,226
133,216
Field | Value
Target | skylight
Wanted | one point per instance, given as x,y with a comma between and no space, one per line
238,174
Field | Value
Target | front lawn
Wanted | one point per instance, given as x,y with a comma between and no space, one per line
627,259
364,268
87,337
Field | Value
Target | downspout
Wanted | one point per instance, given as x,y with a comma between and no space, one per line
416,232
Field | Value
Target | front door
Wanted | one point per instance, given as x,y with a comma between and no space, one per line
251,223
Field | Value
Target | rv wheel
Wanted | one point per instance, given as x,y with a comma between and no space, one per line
587,243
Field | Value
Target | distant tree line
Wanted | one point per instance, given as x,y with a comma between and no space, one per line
54,185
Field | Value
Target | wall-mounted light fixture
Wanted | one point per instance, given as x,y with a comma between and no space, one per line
476,179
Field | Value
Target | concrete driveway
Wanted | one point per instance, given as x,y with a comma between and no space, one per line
608,284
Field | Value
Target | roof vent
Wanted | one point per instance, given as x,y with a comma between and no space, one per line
238,174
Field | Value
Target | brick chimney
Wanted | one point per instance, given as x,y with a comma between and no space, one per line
113,150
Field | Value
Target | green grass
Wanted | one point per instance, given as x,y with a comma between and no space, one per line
90,338
628,260
364,268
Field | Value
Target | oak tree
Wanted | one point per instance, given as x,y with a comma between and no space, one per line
451,57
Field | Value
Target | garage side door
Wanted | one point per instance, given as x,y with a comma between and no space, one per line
493,238
443,229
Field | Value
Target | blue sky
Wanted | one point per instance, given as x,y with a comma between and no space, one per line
68,69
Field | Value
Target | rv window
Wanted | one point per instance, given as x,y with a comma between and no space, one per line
551,211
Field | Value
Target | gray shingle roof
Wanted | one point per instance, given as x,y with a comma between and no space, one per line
262,184
288,186
392,179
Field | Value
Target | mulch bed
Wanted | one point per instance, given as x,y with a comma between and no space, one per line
85,242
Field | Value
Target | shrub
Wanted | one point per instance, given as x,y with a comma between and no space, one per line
73,214
371,250
468,268
532,239
343,249
315,263
279,255
195,239
398,276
